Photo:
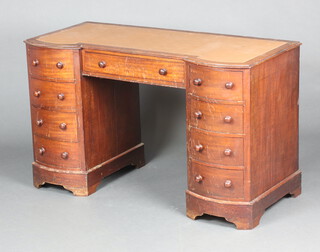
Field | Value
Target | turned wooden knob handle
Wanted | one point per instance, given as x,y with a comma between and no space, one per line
42,150
198,178
102,64
163,71
37,93
60,65
39,122
64,155
229,85
60,96
228,183
63,126
35,62
197,82
227,152
198,114
227,119
199,147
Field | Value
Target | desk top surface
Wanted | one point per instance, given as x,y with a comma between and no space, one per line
193,46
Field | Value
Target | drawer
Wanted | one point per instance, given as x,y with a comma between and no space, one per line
134,68
214,182
55,153
208,147
52,64
214,84
52,95
54,125
216,117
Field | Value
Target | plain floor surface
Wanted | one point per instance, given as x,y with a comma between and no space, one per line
144,209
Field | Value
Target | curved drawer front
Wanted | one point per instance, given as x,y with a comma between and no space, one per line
51,64
134,68
216,117
52,95
215,149
213,182
214,84
54,153
54,125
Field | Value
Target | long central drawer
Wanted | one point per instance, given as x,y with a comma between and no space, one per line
137,68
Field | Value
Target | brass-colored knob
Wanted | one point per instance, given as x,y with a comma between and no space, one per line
227,152
37,93
227,119
39,122
42,151
229,85
63,126
64,155
198,114
35,62
199,147
198,178
60,65
228,183
60,96
163,71
197,82
102,64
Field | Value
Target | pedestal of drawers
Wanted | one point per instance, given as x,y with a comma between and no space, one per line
242,131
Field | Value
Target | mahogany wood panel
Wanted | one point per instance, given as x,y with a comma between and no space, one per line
214,148
113,108
274,121
211,181
216,117
53,151
42,63
136,68
54,125
213,83
52,95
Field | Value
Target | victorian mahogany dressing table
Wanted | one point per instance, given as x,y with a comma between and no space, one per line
242,111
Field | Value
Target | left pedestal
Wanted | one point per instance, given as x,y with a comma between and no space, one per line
83,128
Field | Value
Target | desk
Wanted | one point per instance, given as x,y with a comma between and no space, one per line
242,112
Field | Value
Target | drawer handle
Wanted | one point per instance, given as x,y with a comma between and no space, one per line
228,183
199,147
42,151
60,97
35,62
64,155
228,119
63,126
227,152
198,114
198,178
197,82
163,71
39,122
102,64
229,85
37,93
59,65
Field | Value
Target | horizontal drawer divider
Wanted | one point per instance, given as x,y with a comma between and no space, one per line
217,166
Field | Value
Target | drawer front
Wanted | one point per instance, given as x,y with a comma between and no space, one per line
54,125
205,146
216,117
52,95
134,68
213,84
213,182
55,153
52,64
